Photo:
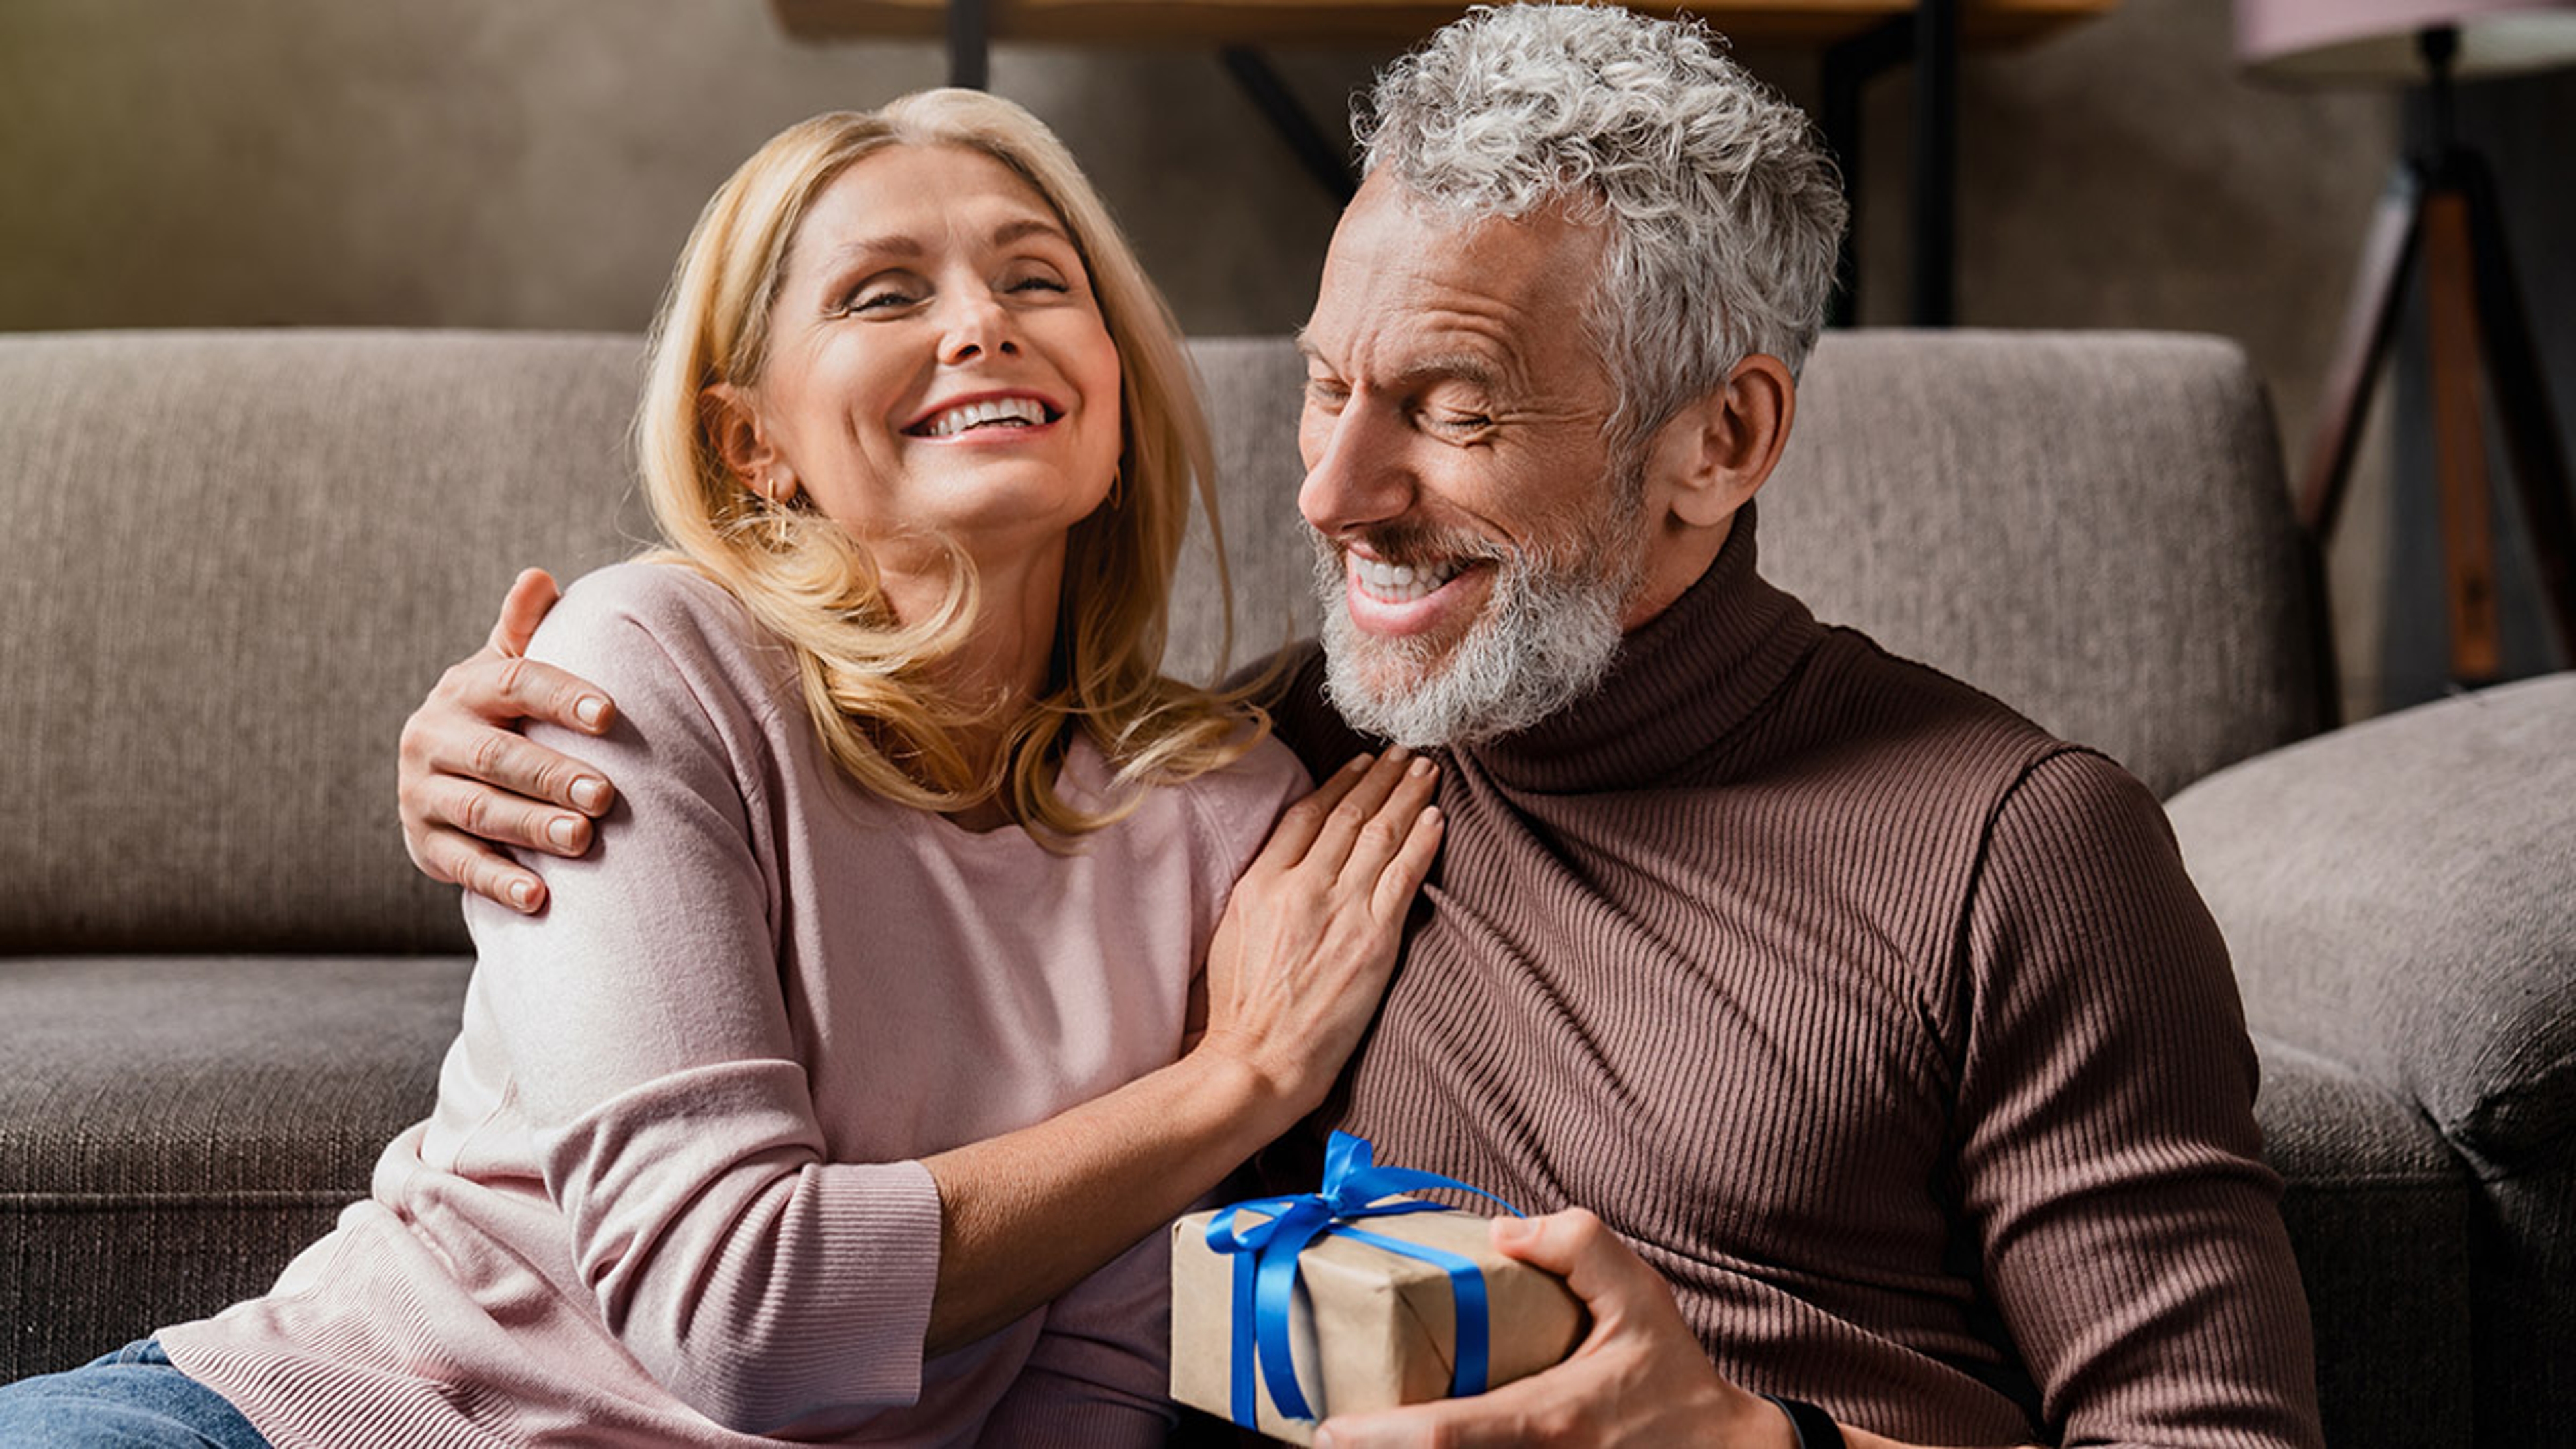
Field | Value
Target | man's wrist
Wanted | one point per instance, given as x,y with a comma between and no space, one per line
1814,1428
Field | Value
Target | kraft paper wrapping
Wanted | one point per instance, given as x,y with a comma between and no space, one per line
1371,1329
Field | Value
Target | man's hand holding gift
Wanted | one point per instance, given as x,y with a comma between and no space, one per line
1398,1322
1401,1324
1638,1377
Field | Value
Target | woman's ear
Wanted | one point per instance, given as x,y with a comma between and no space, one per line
1715,454
733,425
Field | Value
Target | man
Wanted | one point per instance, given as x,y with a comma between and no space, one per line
1882,1036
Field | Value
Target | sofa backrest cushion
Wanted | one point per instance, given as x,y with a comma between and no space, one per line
2091,526
231,563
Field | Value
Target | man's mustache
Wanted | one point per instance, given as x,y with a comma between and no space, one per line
1416,544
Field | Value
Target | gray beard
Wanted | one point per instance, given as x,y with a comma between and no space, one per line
1547,636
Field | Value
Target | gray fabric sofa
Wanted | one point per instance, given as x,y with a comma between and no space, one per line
231,562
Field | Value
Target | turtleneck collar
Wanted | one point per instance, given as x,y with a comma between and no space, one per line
1682,680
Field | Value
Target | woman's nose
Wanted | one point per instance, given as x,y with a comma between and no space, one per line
974,323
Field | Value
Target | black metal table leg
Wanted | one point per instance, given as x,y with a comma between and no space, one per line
1848,66
970,45
1270,95
1936,161
1842,72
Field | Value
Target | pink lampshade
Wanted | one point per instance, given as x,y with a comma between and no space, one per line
2375,39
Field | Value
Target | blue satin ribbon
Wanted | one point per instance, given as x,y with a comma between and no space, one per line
1265,1269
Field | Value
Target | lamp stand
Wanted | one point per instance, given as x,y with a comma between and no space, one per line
2443,202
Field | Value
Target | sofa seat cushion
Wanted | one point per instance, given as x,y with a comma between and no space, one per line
2401,896
173,1128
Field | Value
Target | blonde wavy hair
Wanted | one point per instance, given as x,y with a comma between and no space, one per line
868,676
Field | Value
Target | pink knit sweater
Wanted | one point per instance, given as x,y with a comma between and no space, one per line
671,1192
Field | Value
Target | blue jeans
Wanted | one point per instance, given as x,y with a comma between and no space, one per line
131,1399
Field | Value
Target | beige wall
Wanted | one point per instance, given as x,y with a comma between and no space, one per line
536,163
529,163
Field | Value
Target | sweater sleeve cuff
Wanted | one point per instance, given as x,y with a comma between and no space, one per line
886,1216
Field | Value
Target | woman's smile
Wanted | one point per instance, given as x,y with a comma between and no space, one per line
995,415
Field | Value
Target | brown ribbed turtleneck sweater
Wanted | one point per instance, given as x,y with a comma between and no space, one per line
1886,1026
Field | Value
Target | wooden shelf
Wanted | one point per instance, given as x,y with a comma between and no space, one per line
1856,38
1384,22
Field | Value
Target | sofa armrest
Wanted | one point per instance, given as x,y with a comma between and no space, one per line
2362,1174
2400,896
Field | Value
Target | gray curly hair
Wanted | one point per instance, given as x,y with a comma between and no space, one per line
1725,212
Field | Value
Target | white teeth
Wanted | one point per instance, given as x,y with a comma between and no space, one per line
1015,411
1400,583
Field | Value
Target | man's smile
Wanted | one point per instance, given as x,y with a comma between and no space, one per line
1391,599
1395,583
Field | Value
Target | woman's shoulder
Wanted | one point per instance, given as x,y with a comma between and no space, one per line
1243,798
649,620
661,594
1269,767
661,598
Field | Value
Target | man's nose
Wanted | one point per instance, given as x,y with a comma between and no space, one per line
1355,470
973,324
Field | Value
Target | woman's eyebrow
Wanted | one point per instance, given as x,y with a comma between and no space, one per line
867,248
1022,228
902,246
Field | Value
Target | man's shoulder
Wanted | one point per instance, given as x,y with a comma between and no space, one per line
1966,753
1861,744
1859,696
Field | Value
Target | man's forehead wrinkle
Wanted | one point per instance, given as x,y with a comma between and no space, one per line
1494,369
1418,339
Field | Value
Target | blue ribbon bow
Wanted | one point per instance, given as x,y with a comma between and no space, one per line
1265,1269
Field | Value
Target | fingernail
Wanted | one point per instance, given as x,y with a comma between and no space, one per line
590,711
590,794
1358,762
523,895
1421,766
560,831
1512,1230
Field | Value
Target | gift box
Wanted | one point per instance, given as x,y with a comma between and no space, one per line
1375,1300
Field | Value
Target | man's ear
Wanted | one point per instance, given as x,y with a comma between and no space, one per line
1715,454
733,425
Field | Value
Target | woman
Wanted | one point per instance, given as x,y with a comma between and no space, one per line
828,1096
